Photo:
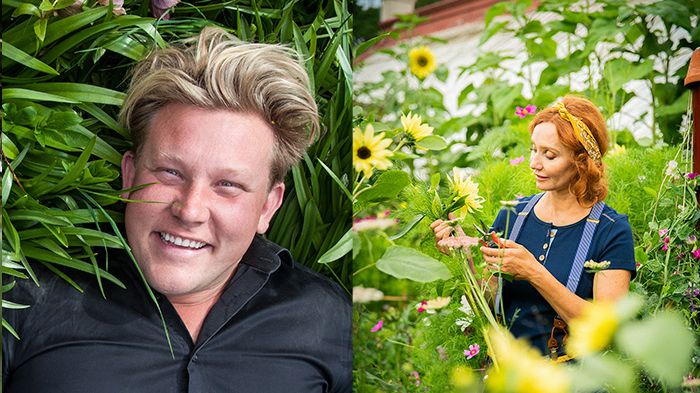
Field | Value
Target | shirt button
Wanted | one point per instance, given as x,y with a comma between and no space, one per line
544,246
194,358
541,258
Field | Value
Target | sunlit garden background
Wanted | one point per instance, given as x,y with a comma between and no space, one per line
441,126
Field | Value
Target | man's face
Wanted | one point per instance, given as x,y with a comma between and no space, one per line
212,170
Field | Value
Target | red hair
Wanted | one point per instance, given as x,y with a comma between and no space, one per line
589,185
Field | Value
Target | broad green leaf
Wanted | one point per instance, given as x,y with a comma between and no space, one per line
25,9
8,147
432,142
388,185
662,344
40,28
9,51
619,71
340,249
405,262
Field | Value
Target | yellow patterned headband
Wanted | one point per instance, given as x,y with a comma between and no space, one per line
583,134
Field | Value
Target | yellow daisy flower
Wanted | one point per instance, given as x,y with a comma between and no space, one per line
466,188
370,151
421,61
412,126
593,330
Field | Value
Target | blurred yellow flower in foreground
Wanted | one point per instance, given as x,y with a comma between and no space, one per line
421,61
463,379
465,187
370,151
593,330
412,126
521,368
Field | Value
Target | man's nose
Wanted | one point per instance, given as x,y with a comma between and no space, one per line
191,206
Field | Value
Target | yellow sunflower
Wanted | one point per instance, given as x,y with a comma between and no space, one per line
593,330
412,126
465,187
421,61
370,151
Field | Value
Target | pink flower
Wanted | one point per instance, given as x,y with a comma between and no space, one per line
667,239
663,232
664,247
691,175
442,354
417,377
522,112
696,253
378,326
159,7
472,351
517,160
421,308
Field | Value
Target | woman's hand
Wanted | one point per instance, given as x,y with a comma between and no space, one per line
443,230
513,259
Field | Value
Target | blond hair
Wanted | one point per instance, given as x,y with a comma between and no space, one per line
217,71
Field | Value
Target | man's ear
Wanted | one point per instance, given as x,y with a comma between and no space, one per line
273,202
128,172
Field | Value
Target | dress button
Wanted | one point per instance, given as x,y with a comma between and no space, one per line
544,246
541,258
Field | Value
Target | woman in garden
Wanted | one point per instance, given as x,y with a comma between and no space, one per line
550,235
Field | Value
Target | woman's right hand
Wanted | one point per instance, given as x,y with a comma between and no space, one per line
443,230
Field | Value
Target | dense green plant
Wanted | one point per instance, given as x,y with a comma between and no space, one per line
64,73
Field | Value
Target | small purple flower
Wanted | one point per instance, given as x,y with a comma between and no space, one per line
696,253
663,232
517,160
378,326
664,247
472,351
691,239
691,175
416,376
522,112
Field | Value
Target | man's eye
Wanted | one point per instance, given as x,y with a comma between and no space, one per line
172,172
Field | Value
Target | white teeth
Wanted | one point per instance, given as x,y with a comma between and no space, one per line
178,241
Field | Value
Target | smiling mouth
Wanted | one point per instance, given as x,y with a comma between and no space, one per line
178,241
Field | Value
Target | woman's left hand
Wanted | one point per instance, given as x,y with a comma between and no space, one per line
513,259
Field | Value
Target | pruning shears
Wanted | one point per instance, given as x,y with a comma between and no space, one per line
488,239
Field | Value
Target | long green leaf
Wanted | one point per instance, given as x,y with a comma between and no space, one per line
80,92
11,52
15,93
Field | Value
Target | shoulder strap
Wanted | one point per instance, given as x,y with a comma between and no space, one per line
583,246
513,235
522,215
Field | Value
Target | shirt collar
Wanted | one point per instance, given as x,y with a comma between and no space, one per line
266,256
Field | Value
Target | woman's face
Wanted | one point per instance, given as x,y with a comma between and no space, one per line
551,162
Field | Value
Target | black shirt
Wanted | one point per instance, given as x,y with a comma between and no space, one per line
278,327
